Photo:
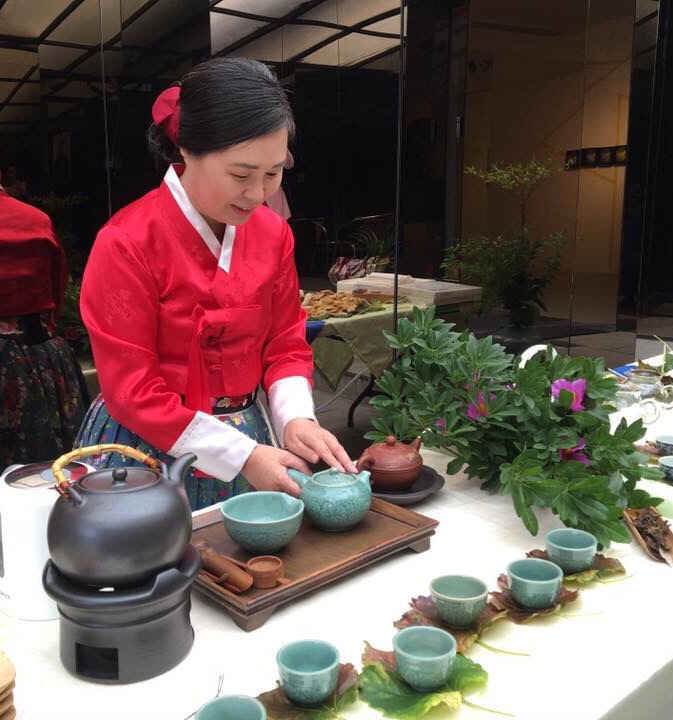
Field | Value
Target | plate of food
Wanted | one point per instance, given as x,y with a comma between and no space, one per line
324,304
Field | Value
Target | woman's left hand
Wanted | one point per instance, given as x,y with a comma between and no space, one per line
308,440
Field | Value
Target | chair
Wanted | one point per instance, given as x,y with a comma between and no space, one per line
321,243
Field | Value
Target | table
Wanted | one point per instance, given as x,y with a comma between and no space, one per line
336,341
613,660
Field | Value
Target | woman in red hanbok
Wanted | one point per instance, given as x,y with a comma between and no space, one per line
191,298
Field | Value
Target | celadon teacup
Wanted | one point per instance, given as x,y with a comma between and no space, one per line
666,466
232,707
571,549
534,583
460,599
424,656
308,670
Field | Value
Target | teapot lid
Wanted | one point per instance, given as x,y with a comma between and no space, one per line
119,479
392,454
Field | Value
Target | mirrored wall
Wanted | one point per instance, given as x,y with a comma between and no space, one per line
485,81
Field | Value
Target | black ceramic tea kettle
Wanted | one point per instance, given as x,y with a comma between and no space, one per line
120,526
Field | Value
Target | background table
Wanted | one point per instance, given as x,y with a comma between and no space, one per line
613,660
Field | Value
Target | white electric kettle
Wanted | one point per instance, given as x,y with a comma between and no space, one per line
27,496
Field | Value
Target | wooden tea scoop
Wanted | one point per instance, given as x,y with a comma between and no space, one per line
652,532
226,570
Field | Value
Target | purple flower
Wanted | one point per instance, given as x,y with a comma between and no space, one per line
576,388
440,424
575,453
478,408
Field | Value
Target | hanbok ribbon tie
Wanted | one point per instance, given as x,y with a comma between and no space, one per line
207,324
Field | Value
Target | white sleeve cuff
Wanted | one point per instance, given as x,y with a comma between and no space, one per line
290,398
221,450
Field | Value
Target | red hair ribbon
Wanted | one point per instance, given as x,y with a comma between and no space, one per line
166,111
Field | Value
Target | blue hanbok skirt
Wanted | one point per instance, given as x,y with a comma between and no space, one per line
100,427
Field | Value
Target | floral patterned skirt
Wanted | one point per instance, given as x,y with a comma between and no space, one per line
100,427
43,398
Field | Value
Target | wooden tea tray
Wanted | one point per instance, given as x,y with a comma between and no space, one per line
314,558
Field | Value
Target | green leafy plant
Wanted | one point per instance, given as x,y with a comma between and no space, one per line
538,432
377,246
514,269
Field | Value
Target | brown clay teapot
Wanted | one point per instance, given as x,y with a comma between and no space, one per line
392,464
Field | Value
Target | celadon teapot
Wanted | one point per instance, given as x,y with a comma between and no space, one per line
333,500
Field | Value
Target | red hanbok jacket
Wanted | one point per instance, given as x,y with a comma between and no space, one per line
170,329
33,268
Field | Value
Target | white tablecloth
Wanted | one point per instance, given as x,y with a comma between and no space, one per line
613,660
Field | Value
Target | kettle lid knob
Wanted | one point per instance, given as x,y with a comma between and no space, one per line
391,440
119,476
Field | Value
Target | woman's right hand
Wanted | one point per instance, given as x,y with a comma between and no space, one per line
266,469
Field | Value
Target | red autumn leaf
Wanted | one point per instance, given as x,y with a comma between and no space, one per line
488,617
386,657
602,567
424,612
279,707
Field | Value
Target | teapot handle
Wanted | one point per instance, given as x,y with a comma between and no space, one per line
63,486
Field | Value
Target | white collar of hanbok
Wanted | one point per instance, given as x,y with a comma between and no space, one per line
222,252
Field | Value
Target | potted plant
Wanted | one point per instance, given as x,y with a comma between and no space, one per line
376,247
513,269
539,431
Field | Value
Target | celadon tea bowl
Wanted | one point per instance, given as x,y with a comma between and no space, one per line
232,707
573,550
534,583
262,522
309,670
664,444
666,466
334,501
460,599
424,656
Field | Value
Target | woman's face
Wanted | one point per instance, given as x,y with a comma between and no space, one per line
225,186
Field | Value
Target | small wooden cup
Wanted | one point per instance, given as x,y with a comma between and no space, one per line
266,571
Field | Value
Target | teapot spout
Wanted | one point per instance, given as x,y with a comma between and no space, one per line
299,477
178,469
416,444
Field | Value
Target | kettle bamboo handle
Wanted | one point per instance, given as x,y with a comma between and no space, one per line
63,485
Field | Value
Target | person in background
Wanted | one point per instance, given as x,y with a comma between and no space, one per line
13,186
278,201
43,395
191,298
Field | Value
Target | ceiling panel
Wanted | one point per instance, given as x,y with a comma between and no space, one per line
29,92
268,48
15,63
82,25
129,7
75,89
20,114
297,38
56,58
160,20
226,30
5,89
350,12
270,8
29,18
